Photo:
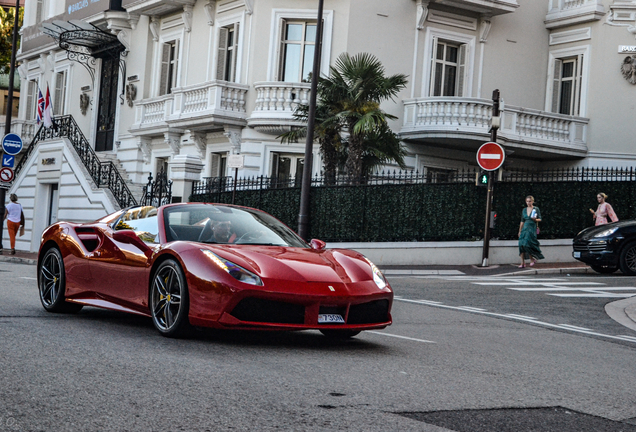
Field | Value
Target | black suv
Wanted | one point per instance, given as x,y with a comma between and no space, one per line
606,248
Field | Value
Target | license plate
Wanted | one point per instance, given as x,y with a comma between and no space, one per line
330,319
577,254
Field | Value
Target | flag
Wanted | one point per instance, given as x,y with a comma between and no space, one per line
40,106
48,110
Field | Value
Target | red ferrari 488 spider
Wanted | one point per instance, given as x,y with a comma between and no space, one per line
210,265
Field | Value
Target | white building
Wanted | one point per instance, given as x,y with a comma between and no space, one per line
180,84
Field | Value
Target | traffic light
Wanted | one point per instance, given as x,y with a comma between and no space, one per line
482,178
493,219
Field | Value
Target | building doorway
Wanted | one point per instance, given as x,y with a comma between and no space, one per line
107,103
54,195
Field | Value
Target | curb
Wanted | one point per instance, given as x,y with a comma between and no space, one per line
566,270
18,260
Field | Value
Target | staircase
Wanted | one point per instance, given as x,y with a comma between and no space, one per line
136,189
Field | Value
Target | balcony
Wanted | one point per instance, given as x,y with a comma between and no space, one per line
562,13
157,7
25,128
484,7
275,105
199,107
464,123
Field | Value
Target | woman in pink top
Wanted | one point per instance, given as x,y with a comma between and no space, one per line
603,211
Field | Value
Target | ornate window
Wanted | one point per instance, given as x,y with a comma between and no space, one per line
287,168
59,97
297,51
169,67
228,53
449,64
31,99
218,164
567,81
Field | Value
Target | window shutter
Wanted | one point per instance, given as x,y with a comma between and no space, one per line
281,50
214,165
235,53
431,89
31,91
38,11
578,83
165,68
461,69
275,158
556,84
222,53
175,66
60,84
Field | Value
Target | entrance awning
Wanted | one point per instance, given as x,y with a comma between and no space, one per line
84,42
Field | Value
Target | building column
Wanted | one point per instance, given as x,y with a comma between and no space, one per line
184,169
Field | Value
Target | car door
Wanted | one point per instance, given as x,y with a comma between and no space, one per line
120,267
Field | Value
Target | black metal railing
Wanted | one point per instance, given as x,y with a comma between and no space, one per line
157,192
104,174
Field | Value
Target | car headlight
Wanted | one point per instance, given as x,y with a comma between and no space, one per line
606,232
235,270
378,277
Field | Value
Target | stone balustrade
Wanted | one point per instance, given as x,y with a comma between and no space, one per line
469,118
26,129
563,13
275,105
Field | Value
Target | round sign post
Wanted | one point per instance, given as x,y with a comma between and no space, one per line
12,144
490,156
6,175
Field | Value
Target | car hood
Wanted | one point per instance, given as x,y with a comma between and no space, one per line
590,232
299,264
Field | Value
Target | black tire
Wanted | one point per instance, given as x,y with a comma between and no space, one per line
169,302
627,260
52,284
603,270
340,334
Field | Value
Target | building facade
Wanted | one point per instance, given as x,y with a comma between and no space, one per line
179,85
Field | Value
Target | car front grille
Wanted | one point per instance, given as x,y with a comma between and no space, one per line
369,313
269,311
590,247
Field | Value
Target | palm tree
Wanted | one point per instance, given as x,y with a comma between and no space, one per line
349,121
359,85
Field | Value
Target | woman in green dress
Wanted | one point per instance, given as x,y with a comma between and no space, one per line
528,243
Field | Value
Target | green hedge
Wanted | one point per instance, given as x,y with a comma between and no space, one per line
435,212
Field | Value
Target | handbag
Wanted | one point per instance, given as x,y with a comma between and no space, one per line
538,230
21,222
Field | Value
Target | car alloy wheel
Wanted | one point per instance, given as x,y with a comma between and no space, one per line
628,259
52,282
169,300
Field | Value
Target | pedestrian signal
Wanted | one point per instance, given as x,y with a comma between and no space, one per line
493,219
482,179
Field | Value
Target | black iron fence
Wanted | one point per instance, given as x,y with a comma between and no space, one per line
448,206
157,192
105,174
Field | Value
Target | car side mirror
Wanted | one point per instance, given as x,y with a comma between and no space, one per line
129,237
317,244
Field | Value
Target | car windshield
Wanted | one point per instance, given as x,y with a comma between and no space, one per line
207,223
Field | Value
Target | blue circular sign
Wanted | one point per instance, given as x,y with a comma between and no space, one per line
12,144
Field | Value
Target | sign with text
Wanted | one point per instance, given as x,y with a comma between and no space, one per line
235,161
490,156
627,49
12,144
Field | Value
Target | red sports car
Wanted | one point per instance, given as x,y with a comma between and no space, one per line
210,265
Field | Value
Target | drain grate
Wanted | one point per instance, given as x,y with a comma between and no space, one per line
553,419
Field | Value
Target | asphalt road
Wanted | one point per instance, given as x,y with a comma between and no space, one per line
461,370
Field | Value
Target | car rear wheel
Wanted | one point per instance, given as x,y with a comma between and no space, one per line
628,259
604,270
169,300
340,334
52,283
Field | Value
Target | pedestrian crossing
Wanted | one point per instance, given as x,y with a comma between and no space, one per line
556,287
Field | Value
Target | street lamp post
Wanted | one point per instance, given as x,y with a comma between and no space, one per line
303,216
7,125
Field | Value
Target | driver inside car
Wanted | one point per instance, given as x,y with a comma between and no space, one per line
222,232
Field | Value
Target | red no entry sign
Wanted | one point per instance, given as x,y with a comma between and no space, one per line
6,174
490,156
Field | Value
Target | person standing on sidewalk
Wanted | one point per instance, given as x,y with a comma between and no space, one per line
528,243
603,211
14,216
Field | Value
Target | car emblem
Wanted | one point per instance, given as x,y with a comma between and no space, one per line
331,288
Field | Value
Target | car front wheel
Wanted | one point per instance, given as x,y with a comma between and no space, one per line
169,300
52,283
628,259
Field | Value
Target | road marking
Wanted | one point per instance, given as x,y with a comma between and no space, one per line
530,320
397,272
596,295
27,277
399,337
